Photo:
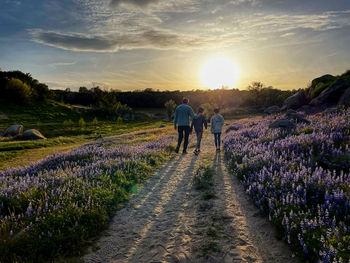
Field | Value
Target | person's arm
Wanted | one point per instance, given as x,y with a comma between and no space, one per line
175,119
205,122
191,112
192,124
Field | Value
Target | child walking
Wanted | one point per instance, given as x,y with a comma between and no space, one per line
198,123
216,123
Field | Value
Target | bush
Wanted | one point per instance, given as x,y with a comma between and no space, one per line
18,92
81,123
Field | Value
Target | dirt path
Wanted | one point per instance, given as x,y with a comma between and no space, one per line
167,220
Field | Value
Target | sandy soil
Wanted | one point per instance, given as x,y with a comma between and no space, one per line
167,220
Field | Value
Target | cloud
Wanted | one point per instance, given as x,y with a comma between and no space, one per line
288,34
140,3
148,38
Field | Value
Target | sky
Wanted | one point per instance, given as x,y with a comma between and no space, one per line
163,44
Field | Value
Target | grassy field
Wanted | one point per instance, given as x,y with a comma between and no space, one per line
65,127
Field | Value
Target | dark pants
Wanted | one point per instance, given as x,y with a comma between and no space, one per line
217,139
199,138
183,130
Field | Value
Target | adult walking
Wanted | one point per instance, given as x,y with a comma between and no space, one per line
182,123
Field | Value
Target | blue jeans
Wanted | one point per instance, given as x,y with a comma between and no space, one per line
217,139
199,139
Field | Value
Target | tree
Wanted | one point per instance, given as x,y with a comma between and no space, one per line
170,106
18,92
209,109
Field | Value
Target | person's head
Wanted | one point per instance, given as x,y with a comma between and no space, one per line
216,111
200,110
185,101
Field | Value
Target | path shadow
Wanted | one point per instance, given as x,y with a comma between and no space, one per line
253,230
165,219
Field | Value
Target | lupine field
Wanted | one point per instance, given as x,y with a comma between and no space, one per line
51,207
300,180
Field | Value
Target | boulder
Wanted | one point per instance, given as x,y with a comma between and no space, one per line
295,101
307,109
283,124
1,134
332,94
13,131
272,110
292,115
322,79
32,134
345,99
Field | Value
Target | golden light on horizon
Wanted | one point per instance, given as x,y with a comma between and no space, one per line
218,72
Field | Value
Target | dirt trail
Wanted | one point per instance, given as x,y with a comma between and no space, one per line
166,222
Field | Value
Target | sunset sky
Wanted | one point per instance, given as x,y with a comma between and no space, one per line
138,44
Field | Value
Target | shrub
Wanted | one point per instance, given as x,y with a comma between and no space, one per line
81,123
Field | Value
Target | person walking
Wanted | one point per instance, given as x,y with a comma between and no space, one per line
216,123
182,116
198,123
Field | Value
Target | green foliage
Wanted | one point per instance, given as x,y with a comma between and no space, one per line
68,123
119,120
94,122
203,180
320,87
209,109
170,106
81,123
17,91
305,130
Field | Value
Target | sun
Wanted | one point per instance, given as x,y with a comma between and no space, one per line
218,72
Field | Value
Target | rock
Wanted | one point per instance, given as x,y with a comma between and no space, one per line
282,123
32,134
1,134
272,110
295,101
322,79
332,94
292,115
307,109
161,126
13,131
345,99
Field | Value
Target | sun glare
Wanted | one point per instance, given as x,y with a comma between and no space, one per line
218,72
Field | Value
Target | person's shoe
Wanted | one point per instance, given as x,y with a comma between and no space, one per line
184,152
177,150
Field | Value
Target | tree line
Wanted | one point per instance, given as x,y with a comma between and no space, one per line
22,88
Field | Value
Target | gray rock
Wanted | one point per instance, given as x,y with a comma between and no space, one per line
32,134
283,124
295,101
13,131
292,115
1,134
345,99
332,94
272,110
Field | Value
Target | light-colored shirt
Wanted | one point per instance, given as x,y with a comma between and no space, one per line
216,123
182,115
